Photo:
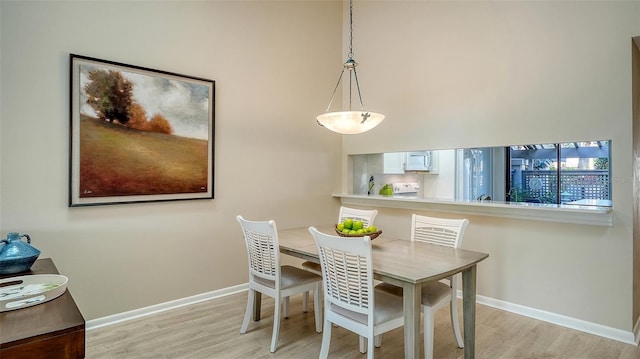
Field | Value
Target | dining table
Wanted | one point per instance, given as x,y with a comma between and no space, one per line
406,264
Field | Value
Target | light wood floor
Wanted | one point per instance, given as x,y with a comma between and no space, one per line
212,330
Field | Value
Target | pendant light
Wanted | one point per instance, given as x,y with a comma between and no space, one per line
349,122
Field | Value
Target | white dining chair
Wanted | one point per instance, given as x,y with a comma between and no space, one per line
435,295
350,300
268,277
365,216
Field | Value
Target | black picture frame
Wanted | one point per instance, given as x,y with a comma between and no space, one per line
138,134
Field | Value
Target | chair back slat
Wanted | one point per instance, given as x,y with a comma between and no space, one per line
262,248
347,271
261,252
440,231
365,216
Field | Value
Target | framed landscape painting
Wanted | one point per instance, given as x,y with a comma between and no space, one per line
138,135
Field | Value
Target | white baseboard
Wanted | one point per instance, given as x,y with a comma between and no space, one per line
142,312
568,322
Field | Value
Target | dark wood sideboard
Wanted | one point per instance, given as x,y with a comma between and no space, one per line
51,330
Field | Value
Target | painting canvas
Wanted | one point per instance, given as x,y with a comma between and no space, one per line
138,134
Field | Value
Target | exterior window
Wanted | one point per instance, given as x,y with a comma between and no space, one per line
575,173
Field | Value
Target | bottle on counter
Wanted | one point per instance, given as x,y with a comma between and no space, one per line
371,185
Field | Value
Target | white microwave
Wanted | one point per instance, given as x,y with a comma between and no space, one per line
421,161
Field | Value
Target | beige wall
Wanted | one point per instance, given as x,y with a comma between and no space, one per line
446,74
464,74
274,64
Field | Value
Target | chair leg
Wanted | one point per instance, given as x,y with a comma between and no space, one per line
317,308
362,345
305,302
247,313
276,322
370,343
286,307
428,332
453,306
378,341
326,340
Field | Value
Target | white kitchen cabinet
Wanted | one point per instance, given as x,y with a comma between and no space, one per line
386,163
393,163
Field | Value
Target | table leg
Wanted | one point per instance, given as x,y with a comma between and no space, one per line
257,304
469,311
411,306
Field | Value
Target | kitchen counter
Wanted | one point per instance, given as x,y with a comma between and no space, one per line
578,214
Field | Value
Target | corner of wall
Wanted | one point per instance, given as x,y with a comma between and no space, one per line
635,75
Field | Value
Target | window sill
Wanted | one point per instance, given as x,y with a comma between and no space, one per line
577,214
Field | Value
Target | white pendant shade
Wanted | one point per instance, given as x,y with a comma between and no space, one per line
350,122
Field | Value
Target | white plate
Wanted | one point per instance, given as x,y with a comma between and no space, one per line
25,291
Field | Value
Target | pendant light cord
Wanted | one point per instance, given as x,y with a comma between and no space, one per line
350,64
350,54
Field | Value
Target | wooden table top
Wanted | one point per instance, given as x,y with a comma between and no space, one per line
393,259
